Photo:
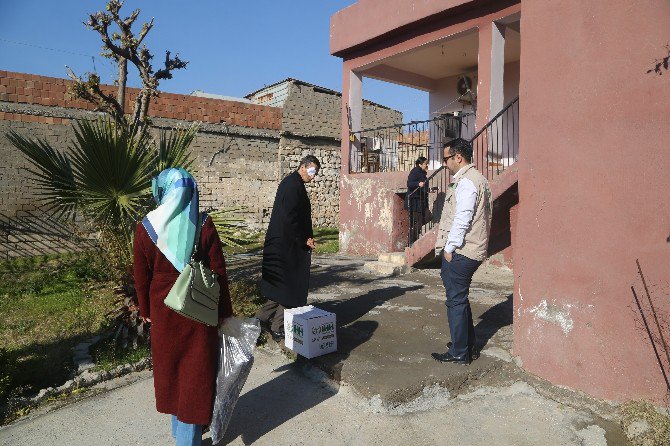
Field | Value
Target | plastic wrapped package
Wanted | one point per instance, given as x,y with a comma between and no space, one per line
237,340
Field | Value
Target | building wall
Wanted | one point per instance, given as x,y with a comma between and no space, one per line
587,216
242,151
444,99
311,111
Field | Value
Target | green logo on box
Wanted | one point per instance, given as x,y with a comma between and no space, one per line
323,328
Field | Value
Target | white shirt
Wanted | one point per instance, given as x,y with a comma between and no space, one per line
466,198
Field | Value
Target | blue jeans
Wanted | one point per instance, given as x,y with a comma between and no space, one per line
456,277
186,434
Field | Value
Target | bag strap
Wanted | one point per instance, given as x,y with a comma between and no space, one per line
202,216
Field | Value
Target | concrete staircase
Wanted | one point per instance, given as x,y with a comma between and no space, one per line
423,249
388,264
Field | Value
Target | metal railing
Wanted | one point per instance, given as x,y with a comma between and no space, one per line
425,204
496,146
396,148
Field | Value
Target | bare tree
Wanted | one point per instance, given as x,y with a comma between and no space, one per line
123,46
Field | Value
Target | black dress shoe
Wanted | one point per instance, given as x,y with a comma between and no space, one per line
474,351
265,325
277,335
447,357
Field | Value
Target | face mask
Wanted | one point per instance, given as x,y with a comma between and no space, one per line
311,171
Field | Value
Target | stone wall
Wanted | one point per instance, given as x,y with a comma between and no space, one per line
313,111
242,150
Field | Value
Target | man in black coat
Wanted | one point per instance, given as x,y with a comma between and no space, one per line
287,252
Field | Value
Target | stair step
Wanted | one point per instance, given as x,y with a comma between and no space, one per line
396,258
385,269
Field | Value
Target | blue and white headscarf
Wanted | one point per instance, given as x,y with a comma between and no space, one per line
172,225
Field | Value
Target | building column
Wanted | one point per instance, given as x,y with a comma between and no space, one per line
352,110
497,68
490,72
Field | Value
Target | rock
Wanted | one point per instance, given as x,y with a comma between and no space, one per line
89,378
85,365
43,394
637,429
67,386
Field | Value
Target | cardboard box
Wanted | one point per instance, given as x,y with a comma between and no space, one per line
310,331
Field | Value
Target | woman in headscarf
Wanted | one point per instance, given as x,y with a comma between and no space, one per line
184,351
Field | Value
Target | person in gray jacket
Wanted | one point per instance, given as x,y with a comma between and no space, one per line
462,244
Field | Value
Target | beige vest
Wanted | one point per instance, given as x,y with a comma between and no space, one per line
476,240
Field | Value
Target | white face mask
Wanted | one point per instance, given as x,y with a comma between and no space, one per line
311,171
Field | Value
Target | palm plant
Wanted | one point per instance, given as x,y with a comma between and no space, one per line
228,223
105,176
106,173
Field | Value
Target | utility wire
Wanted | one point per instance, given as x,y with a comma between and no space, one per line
44,47
57,50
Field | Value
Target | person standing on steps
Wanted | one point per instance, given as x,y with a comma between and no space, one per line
287,252
417,197
462,245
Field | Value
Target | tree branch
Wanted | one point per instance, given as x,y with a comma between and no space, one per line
90,91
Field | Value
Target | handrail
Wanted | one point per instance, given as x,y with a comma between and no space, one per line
492,120
495,147
432,175
395,148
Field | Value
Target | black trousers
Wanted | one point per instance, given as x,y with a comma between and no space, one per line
416,221
456,277
272,313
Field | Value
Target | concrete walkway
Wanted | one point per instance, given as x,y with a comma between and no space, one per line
283,405
381,386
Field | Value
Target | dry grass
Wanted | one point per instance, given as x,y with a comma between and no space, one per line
644,424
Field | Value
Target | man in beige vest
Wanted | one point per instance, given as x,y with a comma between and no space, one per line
462,243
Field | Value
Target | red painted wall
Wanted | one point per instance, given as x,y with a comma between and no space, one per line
372,217
594,179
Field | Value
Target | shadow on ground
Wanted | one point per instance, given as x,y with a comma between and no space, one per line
276,402
492,320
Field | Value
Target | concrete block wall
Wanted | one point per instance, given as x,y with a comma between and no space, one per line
313,111
242,150
324,190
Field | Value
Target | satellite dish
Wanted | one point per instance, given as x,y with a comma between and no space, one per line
464,85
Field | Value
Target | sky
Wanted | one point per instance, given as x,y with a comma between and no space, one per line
233,47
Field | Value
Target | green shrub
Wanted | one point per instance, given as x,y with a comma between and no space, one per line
246,297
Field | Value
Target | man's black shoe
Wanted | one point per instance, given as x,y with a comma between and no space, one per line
277,335
446,357
265,325
474,352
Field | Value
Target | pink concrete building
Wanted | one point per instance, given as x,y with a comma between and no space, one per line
572,131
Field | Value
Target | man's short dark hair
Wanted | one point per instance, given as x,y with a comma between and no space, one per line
460,146
420,160
310,159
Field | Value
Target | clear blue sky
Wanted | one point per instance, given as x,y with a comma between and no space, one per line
233,47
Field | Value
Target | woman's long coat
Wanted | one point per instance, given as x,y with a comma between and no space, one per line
286,257
184,352
418,201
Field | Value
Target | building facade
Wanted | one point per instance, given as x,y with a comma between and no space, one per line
571,128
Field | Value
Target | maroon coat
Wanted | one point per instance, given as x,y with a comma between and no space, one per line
184,352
